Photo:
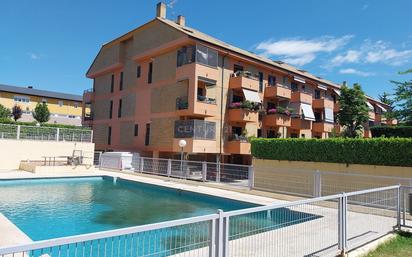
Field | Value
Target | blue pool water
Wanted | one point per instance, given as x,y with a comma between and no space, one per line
51,208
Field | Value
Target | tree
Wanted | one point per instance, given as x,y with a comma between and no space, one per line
403,98
386,98
41,113
16,112
4,112
353,110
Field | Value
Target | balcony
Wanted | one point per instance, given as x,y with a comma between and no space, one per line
322,103
301,97
243,80
203,107
88,95
277,120
200,136
300,124
237,145
277,90
322,127
195,145
242,115
192,70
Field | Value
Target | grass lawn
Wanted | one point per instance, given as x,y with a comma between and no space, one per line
401,246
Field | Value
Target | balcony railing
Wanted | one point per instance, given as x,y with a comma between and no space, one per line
182,103
206,100
196,129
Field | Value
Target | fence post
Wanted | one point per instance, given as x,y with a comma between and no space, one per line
398,208
343,224
251,177
169,167
219,234
58,134
141,164
218,171
212,236
18,132
204,171
317,184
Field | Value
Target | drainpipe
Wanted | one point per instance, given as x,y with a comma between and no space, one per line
221,104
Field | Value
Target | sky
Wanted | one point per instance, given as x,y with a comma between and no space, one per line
50,44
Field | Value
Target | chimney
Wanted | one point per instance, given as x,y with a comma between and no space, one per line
30,87
161,10
181,20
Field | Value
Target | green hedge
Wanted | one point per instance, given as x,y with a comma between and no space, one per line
375,151
387,131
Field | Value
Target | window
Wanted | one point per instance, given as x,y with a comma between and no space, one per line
150,73
294,135
22,99
112,84
76,105
44,100
138,71
260,81
205,55
119,111
147,137
294,87
272,134
285,80
271,105
317,94
302,136
237,131
186,55
259,133
60,103
237,68
109,136
121,81
111,110
271,80
136,130
334,99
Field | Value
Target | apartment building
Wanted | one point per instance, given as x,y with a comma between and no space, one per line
64,108
164,81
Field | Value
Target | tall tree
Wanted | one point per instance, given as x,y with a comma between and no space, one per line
387,98
41,113
403,98
353,111
4,112
16,112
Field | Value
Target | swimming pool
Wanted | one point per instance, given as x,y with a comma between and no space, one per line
50,208
59,207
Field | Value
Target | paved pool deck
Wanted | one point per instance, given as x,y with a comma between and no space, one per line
303,239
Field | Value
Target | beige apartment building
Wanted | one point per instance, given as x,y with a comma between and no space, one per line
164,81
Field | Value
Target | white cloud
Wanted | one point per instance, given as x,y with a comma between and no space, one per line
33,56
356,72
300,51
171,4
350,56
365,6
372,52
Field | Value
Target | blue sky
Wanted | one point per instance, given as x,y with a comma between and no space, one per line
50,44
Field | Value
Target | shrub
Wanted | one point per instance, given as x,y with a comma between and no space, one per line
4,112
16,112
375,151
33,123
41,113
386,131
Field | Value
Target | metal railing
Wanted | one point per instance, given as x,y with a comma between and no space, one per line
11,131
315,183
323,226
233,174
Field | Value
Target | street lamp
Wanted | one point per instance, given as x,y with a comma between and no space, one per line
182,143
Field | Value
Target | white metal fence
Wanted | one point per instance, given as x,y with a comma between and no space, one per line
315,183
323,226
233,174
11,131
